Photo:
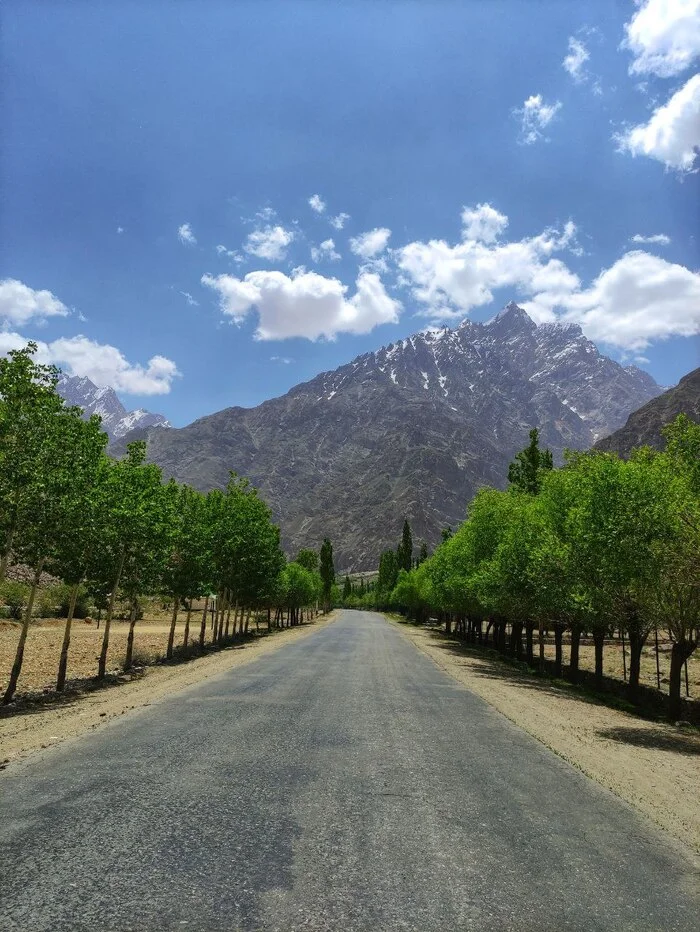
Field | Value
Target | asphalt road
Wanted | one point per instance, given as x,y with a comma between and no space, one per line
341,783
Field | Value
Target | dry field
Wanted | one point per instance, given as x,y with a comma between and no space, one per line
45,637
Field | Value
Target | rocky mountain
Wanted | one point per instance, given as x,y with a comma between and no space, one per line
413,430
116,420
643,427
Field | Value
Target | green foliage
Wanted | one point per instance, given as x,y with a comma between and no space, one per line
526,471
14,595
404,552
308,559
327,570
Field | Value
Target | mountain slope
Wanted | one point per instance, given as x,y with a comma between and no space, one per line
644,426
116,420
413,429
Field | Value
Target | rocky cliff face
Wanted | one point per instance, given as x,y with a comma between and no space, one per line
116,420
412,430
643,427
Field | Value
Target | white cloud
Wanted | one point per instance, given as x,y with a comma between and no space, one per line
102,363
660,238
483,222
317,203
672,135
190,300
269,243
185,234
304,305
19,303
663,36
326,250
339,221
229,253
370,244
535,115
120,229
576,59
285,360
638,300
451,280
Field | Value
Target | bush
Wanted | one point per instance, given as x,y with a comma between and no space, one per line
14,594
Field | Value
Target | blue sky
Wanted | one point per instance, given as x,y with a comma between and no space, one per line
138,138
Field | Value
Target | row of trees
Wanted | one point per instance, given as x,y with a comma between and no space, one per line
116,529
598,545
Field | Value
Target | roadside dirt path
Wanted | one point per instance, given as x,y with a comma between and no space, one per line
653,766
37,727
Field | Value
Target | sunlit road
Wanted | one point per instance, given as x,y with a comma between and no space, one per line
340,783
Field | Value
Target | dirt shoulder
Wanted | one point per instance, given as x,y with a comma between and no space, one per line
37,727
651,765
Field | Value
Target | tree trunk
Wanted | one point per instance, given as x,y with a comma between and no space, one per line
171,633
516,639
680,651
574,655
128,660
599,643
448,624
540,641
19,654
63,661
186,636
102,665
637,641
247,620
558,637
203,625
530,653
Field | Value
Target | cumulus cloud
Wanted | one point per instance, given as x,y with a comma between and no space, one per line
483,222
269,243
325,251
640,299
370,244
663,36
576,59
304,304
19,303
317,203
339,221
672,135
451,280
103,364
185,234
535,115
659,238
285,360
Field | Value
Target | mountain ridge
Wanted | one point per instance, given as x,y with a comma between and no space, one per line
412,429
116,420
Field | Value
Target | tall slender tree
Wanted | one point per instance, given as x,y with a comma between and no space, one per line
327,571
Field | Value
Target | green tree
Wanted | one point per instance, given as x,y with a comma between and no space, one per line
404,553
422,553
347,589
526,471
28,403
308,559
327,570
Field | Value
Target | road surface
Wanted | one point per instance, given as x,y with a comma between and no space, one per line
341,783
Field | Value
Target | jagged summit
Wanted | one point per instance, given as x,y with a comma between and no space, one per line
413,429
116,420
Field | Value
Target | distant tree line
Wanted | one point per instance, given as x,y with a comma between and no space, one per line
114,529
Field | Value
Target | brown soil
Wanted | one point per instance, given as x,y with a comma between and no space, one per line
651,765
36,726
